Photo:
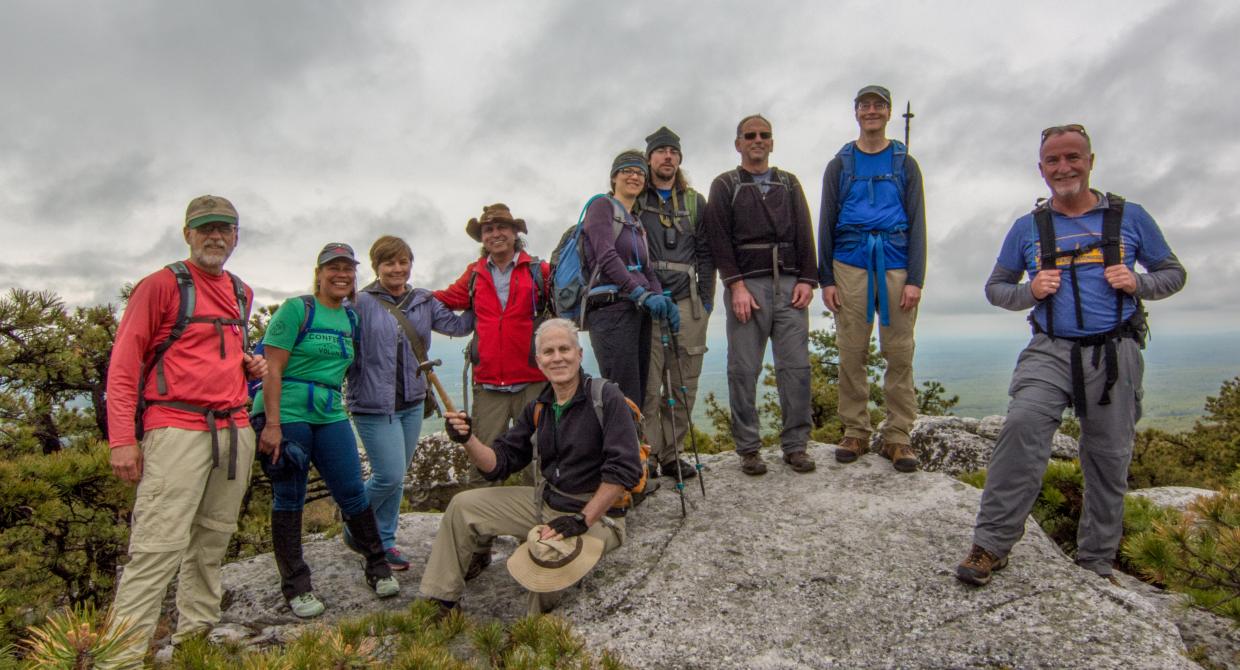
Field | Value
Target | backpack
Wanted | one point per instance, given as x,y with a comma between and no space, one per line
1109,243
569,283
185,316
308,303
847,171
632,497
734,177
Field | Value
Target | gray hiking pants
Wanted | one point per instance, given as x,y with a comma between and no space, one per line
788,331
1041,389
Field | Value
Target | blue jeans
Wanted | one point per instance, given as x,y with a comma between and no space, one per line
333,451
390,441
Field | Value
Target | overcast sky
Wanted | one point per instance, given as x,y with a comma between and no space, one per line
327,121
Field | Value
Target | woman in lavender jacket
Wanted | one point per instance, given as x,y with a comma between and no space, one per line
385,389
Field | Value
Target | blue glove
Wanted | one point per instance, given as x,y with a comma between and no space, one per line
673,316
657,304
636,294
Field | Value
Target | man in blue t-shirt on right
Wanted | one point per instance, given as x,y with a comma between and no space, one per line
1079,249
872,262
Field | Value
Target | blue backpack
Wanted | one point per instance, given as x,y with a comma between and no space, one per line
308,302
847,176
569,284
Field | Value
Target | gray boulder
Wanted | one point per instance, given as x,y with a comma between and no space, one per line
955,445
846,567
1177,497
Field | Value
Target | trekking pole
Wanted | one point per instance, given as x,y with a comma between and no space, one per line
908,117
428,369
465,382
684,394
670,392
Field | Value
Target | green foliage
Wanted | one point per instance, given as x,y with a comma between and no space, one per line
1196,554
976,479
62,533
932,399
411,639
79,638
1205,456
49,358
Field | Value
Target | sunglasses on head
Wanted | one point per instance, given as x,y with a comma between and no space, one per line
765,134
1060,130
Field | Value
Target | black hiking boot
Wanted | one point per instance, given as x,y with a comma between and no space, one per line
477,563
364,539
686,471
752,464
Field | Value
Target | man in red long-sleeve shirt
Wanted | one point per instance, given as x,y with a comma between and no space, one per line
178,426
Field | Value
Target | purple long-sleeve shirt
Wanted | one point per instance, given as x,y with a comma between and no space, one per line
624,259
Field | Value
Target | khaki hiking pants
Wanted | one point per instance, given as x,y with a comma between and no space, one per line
492,414
656,416
852,336
184,514
504,510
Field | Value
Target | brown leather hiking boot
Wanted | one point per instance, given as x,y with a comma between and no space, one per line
752,464
975,569
800,461
850,448
901,455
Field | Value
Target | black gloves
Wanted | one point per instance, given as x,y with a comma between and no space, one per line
459,438
569,525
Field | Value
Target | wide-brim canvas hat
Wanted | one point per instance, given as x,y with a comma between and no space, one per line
544,566
497,213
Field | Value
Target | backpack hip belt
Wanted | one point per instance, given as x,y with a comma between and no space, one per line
668,266
774,247
210,415
1103,345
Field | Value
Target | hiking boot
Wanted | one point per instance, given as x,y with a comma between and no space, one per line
752,464
1113,580
477,563
396,560
306,606
850,448
901,455
386,587
686,471
652,470
800,461
975,569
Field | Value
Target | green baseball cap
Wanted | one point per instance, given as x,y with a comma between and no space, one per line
210,209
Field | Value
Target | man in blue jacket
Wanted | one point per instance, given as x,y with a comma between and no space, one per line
872,262
1079,249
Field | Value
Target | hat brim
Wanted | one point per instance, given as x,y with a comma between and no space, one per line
474,227
538,579
333,257
203,220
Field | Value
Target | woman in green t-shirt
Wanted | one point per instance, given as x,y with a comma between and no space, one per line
309,345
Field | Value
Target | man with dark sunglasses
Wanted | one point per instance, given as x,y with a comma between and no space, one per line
1078,248
872,262
762,241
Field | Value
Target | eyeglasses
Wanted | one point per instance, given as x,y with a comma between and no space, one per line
1059,130
631,172
873,104
766,135
216,227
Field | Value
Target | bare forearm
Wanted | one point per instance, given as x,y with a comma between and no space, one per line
604,498
482,456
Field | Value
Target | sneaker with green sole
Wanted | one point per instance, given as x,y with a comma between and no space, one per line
387,587
306,605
